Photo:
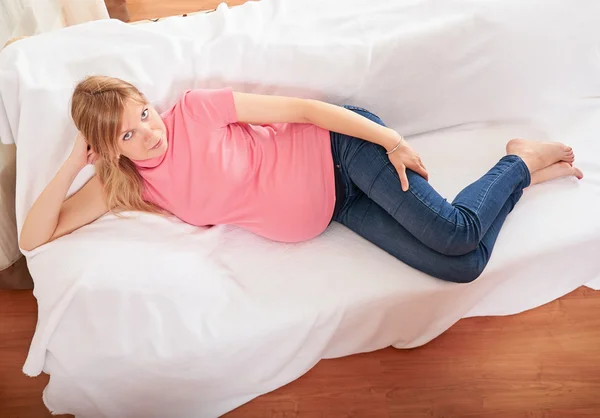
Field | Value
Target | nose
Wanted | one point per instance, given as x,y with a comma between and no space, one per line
149,134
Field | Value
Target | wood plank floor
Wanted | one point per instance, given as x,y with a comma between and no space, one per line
544,363
150,9
20,396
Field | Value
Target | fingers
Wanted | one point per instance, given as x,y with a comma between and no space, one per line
422,172
403,178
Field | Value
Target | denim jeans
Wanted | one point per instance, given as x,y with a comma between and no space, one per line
450,241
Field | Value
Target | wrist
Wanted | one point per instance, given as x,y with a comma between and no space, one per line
391,140
73,165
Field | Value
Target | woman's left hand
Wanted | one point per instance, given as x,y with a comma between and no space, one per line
405,157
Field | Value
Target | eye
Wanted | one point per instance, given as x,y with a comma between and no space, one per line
127,136
145,114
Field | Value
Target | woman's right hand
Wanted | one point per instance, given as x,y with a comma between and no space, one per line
82,153
404,157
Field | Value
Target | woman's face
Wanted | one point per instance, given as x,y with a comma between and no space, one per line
143,134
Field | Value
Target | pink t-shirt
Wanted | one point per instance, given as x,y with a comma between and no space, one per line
275,180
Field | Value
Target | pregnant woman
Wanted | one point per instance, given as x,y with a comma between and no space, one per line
282,168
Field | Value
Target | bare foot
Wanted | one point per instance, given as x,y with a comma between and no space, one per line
554,171
539,155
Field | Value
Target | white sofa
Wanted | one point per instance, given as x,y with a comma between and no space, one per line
146,316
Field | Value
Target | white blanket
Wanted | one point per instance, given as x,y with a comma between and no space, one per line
197,321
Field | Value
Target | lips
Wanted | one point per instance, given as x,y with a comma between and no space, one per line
157,144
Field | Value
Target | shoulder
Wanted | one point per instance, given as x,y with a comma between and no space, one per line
210,106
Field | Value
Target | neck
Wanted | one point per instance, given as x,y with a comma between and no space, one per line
150,162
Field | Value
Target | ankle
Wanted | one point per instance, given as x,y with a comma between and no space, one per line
527,159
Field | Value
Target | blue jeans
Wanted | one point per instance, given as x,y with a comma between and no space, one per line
450,241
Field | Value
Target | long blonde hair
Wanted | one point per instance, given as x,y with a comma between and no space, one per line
97,109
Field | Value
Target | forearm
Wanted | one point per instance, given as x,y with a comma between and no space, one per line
339,119
42,219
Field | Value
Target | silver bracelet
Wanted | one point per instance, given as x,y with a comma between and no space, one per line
396,147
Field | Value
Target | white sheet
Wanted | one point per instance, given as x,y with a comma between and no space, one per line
196,322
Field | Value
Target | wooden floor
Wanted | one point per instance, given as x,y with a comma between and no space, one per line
544,363
150,9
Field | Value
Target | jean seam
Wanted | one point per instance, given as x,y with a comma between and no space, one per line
362,221
356,151
467,224
375,180
493,183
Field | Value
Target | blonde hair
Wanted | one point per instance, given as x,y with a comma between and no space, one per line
97,109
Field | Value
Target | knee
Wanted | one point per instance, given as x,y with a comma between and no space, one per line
466,268
459,246
459,234
471,274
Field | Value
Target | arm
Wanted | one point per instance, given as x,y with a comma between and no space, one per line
256,109
51,216
252,108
